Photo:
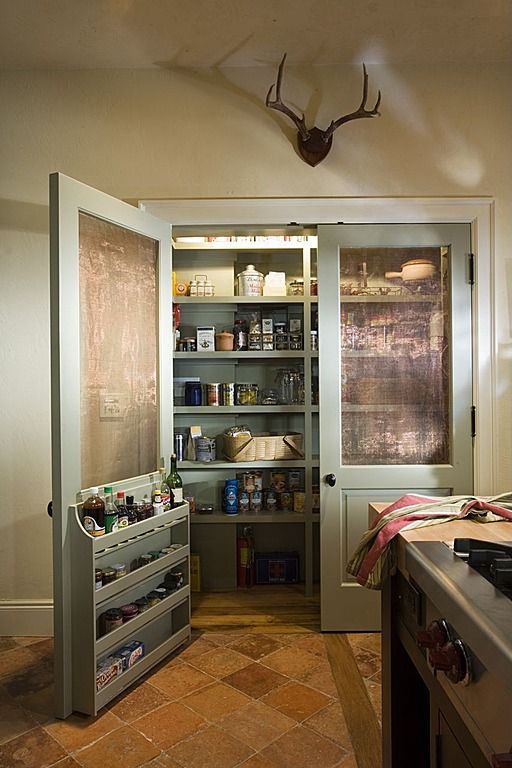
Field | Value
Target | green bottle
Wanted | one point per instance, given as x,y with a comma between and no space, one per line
111,512
175,483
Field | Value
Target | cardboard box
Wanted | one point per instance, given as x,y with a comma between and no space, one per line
205,335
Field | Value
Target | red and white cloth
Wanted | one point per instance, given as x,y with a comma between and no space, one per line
374,558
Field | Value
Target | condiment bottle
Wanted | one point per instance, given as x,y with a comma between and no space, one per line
131,511
111,513
122,513
93,510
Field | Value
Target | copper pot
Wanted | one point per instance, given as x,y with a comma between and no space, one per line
415,269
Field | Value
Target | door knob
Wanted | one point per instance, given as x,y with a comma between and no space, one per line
330,480
49,508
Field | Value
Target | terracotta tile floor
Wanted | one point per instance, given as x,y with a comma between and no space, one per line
230,699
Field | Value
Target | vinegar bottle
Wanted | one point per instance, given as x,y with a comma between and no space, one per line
175,482
93,510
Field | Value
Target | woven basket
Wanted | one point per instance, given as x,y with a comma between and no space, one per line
266,446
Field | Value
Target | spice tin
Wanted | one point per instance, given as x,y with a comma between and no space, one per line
227,393
213,392
112,619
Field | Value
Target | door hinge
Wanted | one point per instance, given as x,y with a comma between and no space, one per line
473,421
471,268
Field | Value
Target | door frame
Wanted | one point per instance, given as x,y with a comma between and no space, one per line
476,211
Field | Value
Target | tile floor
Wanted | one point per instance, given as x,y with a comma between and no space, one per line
231,699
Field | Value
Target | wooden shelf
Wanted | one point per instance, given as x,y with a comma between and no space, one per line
265,354
269,410
240,299
268,245
248,517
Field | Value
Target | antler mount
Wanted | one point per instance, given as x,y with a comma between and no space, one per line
314,143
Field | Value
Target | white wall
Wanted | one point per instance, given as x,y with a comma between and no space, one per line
444,131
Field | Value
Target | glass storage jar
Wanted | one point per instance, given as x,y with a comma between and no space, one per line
246,394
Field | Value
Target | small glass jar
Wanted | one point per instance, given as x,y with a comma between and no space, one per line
246,394
98,578
129,611
142,604
296,288
108,575
112,619
120,569
145,559
192,288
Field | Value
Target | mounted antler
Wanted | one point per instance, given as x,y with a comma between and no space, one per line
313,143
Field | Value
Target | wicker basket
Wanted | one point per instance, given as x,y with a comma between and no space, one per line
265,446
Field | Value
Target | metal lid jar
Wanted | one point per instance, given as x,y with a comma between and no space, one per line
250,282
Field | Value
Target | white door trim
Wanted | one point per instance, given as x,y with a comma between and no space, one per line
479,212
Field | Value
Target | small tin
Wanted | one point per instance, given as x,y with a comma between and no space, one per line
213,393
206,449
227,393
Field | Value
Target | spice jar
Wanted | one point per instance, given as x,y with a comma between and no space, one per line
297,288
142,604
120,569
98,578
246,394
313,286
108,575
112,619
129,611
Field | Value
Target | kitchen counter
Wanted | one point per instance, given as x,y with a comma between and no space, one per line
468,529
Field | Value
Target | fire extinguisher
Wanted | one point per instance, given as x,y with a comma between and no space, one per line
245,558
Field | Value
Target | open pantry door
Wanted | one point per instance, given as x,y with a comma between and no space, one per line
110,278
395,386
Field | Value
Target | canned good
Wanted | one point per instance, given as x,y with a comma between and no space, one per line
286,501
206,449
227,393
270,500
213,392
179,446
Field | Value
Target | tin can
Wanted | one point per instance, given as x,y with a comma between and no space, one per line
213,393
270,500
179,446
227,393
206,449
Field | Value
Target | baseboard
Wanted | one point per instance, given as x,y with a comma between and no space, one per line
22,618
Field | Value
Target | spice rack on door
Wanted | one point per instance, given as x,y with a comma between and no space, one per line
162,627
214,535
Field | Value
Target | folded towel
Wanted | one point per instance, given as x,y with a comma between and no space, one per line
374,558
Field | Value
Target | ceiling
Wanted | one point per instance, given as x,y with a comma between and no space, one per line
117,34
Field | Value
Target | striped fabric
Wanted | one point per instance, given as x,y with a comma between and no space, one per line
375,557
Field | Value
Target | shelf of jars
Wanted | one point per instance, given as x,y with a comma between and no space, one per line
240,410
220,464
254,300
243,355
265,516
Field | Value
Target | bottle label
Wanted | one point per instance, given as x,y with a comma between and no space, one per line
178,495
122,521
92,527
111,524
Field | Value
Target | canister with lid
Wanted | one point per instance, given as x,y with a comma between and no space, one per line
250,282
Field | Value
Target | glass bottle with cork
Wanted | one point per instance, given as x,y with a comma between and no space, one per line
175,483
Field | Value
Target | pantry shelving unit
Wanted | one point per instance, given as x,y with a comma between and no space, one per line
162,627
213,536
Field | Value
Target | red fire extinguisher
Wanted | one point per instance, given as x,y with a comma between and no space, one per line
245,558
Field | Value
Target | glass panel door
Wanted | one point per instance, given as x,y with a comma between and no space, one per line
395,386
395,312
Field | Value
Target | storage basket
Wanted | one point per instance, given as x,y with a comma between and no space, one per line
265,446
